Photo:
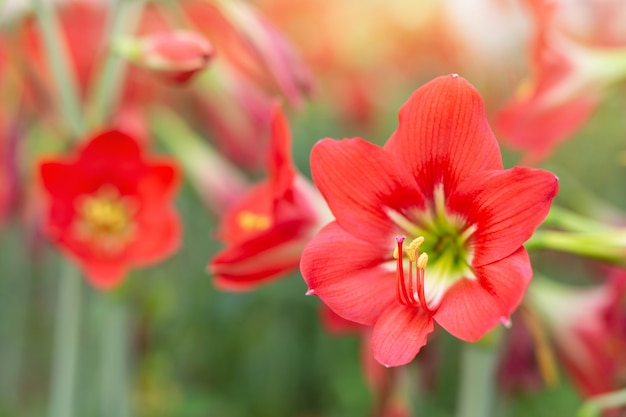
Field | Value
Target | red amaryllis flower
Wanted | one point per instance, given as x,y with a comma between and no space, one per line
267,230
110,207
568,80
438,185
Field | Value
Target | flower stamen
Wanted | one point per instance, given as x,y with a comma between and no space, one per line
105,219
414,294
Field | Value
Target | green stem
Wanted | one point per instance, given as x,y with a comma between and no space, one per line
218,182
476,392
14,311
608,246
62,73
114,399
568,220
64,359
124,16
595,405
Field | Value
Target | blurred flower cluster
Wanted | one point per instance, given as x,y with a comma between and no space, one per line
173,182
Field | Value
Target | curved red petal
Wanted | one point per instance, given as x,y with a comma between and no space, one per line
443,135
506,207
159,235
104,275
110,146
160,182
262,258
399,334
54,178
472,307
348,274
537,126
281,171
361,183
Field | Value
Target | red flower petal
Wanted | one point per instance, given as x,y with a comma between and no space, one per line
506,207
104,274
54,178
159,182
158,237
443,135
348,275
360,182
399,334
472,307
110,146
267,256
537,126
281,172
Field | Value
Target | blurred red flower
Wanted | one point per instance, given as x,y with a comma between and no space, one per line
568,76
267,229
588,326
439,181
175,55
109,207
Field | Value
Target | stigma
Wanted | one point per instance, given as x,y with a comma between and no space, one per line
410,287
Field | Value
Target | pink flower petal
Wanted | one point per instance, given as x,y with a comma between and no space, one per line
506,207
361,183
348,275
399,334
472,307
443,135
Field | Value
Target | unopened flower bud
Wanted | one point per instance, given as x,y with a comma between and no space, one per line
176,56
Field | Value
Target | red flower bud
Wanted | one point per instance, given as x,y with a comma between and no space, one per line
176,56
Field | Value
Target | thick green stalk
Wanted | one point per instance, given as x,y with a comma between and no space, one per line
113,319
608,246
568,220
64,359
14,311
595,405
124,16
476,392
62,73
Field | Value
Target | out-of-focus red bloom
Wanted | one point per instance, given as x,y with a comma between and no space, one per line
82,27
589,329
568,79
109,207
176,56
266,231
528,361
251,46
439,184
253,64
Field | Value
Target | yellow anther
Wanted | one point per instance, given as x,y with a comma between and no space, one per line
253,221
105,215
412,248
422,261
395,253
105,219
